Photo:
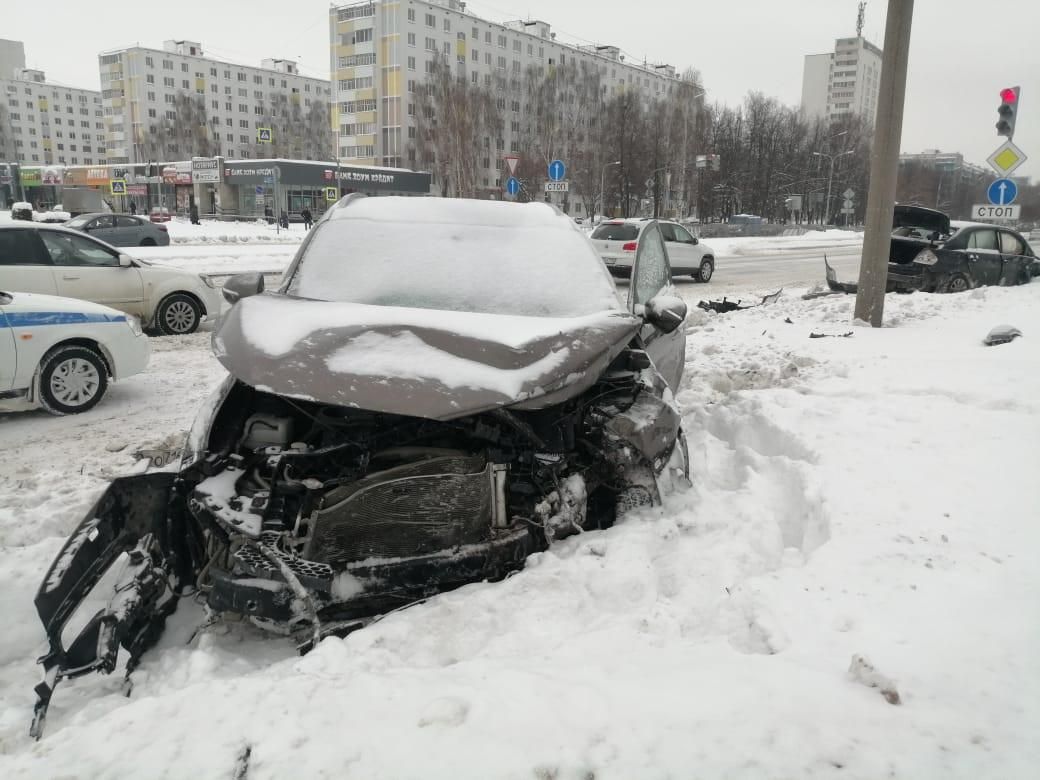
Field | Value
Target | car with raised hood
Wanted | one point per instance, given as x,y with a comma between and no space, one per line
60,354
56,260
930,253
438,389
617,241
121,229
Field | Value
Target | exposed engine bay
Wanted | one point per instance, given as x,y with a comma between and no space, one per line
312,520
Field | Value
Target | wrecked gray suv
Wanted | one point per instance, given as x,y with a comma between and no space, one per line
438,389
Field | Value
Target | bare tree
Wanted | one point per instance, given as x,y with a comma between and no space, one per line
8,150
186,136
452,118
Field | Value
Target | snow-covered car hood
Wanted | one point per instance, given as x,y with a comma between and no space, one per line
418,362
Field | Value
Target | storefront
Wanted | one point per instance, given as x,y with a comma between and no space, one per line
259,187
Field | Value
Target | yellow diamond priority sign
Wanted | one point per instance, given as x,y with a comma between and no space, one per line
1006,159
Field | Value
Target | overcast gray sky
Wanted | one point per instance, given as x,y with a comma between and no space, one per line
962,51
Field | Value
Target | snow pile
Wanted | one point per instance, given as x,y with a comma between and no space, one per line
211,231
861,529
763,245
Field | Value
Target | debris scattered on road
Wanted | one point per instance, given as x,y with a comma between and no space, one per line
726,305
788,320
814,335
1002,334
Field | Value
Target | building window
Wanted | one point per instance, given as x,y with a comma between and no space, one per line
411,15
447,25
184,84
149,62
487,37
184,67
431,44
501,41
475,55
411,39
431,20
167,64
411,63
241,76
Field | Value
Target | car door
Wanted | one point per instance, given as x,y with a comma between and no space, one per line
690,246
652,276
983,253
677,257
90,271
8,356
1016,263
24,265
129,231
103,227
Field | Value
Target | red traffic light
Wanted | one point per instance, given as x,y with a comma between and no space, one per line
1009,94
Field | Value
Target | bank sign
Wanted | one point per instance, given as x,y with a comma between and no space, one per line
318,176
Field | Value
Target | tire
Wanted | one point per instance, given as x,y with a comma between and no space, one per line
955,283
178,315
707,268
72,379
147,242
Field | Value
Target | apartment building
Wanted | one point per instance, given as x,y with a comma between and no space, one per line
139,88
844,81
380,50
45,123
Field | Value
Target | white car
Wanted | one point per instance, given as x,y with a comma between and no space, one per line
60,353
54,260
617,240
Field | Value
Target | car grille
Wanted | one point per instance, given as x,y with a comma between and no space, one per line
419,508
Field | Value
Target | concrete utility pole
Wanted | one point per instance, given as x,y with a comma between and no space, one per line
884,164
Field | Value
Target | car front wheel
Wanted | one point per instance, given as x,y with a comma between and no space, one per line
178,315
705,271
148,242
72,379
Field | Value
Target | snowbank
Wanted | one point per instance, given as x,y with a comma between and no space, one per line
211,231
863,519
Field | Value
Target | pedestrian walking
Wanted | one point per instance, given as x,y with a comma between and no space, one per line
193,214
133,209
284,220
308,220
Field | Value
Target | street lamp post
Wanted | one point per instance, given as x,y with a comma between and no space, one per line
830,177
603,188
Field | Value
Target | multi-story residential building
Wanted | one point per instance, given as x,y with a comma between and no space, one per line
844,81
140,88
381,49
43,122
944,161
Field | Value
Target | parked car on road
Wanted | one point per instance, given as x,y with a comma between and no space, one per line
159,214
928,252
617,241
391,429
55,260
121,229
60,354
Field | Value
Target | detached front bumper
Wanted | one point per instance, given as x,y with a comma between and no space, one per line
906,277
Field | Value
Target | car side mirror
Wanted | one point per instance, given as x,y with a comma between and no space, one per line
696,240
242,286
125,261
665,312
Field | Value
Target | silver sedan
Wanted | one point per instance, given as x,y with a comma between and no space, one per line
121,229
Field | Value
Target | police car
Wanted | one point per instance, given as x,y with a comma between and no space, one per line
60,353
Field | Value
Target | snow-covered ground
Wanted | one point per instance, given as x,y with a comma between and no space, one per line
866,496
211,231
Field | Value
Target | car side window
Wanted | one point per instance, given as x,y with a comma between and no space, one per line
67,249
127,222
102,222
667,231
652,272
1010,245
983,239
18,247
682,235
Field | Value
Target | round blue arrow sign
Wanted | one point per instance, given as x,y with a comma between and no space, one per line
1002,192
512,186
557,170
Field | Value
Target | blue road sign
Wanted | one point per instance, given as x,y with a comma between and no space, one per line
1002,192
512,186
557,170
259,190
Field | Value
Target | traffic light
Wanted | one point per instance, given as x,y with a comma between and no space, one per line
1008,111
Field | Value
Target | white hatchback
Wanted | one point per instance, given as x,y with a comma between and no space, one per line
617,240
53,260
60,353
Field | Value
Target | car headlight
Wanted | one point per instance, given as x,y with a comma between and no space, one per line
208,281
926,257
135,325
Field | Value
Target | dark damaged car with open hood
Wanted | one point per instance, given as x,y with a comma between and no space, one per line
438,389
930,253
